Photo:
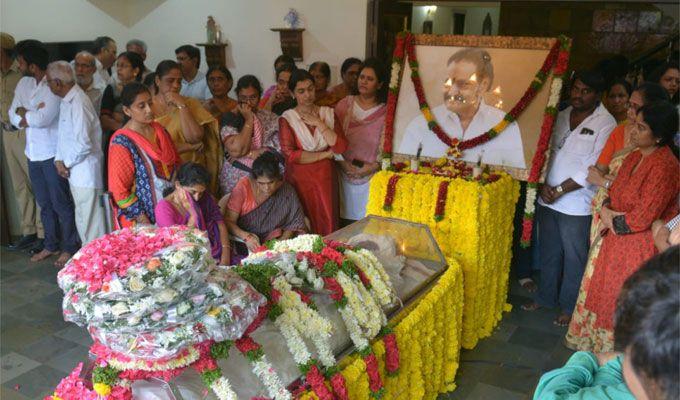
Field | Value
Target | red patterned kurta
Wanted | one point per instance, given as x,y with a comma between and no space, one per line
645,194
315,183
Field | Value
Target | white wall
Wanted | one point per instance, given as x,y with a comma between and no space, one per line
335,30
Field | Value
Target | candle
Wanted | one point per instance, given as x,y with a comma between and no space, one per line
386,163
414,165
476,171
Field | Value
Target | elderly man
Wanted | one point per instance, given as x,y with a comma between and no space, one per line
138,46
79,151
14,143
104,50
193,81
564,211
36,108
85,66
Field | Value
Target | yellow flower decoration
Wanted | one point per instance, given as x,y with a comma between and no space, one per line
55,397
482,215
427,114
500,127
102,389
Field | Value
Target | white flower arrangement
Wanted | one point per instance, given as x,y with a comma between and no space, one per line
222,389
306,322
555,90
394,78
265,371
381,286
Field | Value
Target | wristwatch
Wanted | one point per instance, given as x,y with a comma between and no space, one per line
559,189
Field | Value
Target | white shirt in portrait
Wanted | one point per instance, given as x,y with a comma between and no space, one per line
505,149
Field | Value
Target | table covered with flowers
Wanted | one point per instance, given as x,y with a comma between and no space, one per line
372,311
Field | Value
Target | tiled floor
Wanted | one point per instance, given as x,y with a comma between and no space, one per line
37,348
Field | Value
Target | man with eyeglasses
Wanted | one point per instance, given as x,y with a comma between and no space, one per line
194,83
564,211
105,51
85,67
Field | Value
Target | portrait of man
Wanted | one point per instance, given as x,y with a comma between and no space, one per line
465,115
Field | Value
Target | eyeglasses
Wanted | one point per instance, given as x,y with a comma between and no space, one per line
248,99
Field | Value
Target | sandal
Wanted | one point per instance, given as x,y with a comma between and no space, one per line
562,320
528,284
62,260
43,255
533,306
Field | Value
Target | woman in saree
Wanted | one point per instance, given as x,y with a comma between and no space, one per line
192,205
311,136
645,189
363,120
220,82
192,128
142,160
248,132
602,175
263,207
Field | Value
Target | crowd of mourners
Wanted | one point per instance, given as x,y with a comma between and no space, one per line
102,142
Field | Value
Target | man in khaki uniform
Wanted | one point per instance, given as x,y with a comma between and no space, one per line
14,143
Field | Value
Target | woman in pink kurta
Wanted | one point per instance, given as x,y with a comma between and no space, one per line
310,139
363,121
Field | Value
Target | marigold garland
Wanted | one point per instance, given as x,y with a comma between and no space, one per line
476,230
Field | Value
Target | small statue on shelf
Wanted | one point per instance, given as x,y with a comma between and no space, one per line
292,19
211,29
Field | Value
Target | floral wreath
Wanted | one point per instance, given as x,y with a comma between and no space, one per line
359,287
556,61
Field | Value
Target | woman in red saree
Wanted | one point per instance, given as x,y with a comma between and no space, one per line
310,138
363,121
142,160
644,190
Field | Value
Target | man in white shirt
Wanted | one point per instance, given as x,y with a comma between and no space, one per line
193,81
36,108
79,155
105,51
14,144
464,115
564,210
85,66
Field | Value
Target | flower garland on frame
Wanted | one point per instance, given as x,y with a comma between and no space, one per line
556,61
406,43
543,146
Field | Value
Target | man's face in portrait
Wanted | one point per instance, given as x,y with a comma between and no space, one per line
463,89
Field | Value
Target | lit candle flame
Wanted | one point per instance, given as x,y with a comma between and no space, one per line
448,83
473,78
497,90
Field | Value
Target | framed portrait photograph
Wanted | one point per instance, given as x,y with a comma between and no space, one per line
470,84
